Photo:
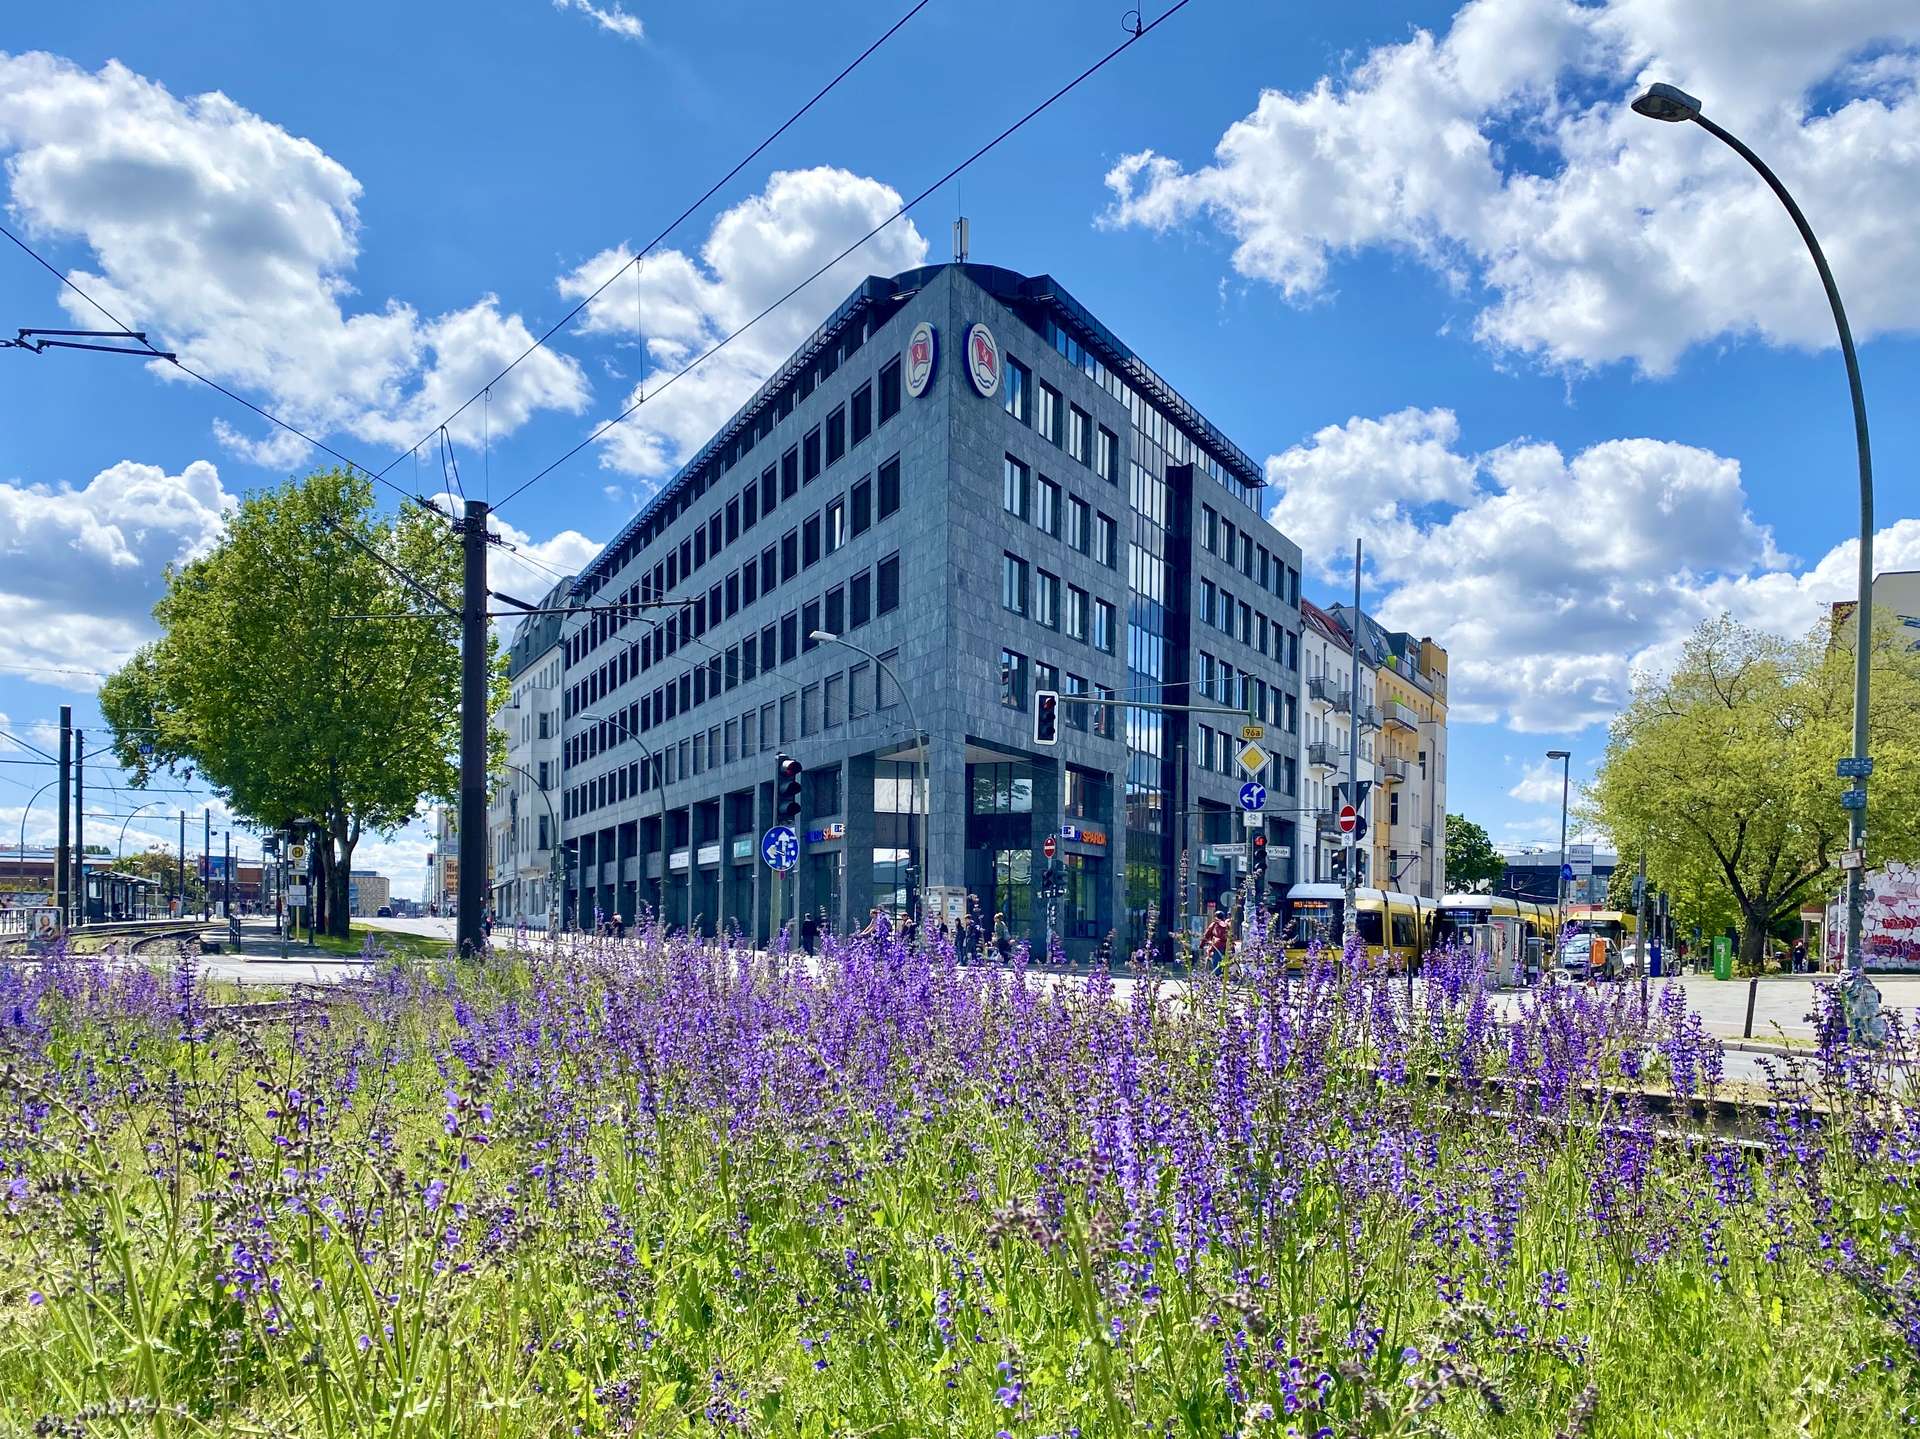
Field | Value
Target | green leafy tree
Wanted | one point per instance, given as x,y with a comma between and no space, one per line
300,676
163,867
1474,866
1725,769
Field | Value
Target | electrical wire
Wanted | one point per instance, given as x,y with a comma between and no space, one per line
1133,38
213,384
677,221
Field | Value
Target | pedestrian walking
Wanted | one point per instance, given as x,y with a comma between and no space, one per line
619,926
1800,956
809,932
1002,937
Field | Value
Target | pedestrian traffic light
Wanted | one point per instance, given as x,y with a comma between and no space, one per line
1257,859
1337,865
786,789
1046,717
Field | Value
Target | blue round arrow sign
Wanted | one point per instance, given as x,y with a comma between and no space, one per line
1253,795
780,847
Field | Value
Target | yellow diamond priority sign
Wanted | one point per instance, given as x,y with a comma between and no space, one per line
1253,759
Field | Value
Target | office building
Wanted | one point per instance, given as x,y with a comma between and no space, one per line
368,892
971,481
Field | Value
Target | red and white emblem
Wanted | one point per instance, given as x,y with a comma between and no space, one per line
922,351
983,360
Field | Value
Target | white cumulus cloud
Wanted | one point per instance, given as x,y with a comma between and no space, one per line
676,306
235,243
1503,155
1551,578
80,569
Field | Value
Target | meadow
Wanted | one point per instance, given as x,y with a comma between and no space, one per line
660,1186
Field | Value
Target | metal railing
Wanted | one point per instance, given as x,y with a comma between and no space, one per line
1328,690
1401,714
1322,755
1393,770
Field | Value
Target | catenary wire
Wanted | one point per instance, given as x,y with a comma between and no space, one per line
1133,38
679,219
213,384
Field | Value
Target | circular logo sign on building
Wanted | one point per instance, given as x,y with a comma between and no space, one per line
923,352
983,360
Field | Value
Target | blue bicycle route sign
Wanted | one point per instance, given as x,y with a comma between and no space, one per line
780,848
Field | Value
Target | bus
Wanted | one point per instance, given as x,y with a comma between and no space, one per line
1615,926
1393,926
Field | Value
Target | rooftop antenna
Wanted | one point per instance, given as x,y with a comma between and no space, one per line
961,234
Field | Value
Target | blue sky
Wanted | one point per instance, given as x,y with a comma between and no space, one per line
1566,370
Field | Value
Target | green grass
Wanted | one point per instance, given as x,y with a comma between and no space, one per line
399,944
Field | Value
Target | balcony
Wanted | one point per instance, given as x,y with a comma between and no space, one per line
1326,827
1327,690
1426,835
1369,717
1322,755
1392,770
1401,715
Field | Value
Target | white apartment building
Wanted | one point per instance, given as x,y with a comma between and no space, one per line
523,829
1326,733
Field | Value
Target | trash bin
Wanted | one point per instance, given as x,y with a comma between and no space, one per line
1722,957
1655,965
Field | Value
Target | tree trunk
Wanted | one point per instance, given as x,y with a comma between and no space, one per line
1753,941
339,911
319,889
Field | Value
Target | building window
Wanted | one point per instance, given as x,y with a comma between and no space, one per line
836,434
1045,677
1206,602
862,501
1106,456
1013,583
1080,434
1013,680
789,555
1209,520
1103,720
859,691
1015,482
789,476
887,586
1103,626
1046,600
1076,713
1077,613
789,637
1079,522
1046,513
836,700
809,622
1103,539
1047,412
862,413
859,600
889,390
836,616
889,482
836,535
1019,401
810,541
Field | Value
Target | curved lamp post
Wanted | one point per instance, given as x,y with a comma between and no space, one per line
920,743
120,849
20,854
659,780
1665,102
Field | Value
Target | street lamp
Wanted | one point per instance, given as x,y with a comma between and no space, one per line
826,637
659,780
120,849
1565,756
1666,103
20,855
553,824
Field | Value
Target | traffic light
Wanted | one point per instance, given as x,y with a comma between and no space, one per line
1257,857
1046,717
1337,865
786,789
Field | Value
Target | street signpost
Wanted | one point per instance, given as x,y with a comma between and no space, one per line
1852,768
1253,795
1252,732
1252,818
1252,758
1348,819
1049,847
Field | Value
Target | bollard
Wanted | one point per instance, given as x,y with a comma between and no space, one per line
1753,992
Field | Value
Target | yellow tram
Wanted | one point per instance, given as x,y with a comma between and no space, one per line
1394,927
